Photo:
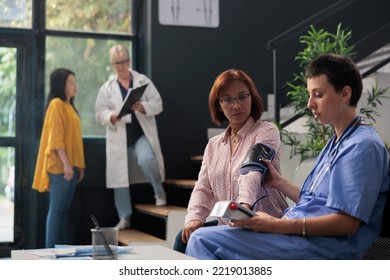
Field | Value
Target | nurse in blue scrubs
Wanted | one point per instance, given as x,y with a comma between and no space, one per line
338,210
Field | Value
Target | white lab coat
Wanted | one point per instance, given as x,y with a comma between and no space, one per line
110,99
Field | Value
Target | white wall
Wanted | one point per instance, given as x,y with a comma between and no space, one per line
382,121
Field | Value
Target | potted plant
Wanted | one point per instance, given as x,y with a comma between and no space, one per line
318,42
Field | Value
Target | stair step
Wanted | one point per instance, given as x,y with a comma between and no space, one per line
196,165
181,183
125,237
197,158
157,211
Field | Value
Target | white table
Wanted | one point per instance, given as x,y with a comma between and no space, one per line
138,252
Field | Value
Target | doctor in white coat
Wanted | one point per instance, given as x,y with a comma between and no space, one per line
133,133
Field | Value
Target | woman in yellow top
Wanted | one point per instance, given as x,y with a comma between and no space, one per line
60,163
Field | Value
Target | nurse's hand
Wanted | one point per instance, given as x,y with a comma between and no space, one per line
262,222
272,178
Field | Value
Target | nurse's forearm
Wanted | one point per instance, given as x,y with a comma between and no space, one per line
328,225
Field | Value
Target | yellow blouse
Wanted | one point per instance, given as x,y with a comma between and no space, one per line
61,130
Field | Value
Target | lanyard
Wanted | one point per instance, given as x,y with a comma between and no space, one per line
332,152
350,129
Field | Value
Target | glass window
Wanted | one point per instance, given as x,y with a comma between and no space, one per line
7,154
16,13
88,58
105,16
7,91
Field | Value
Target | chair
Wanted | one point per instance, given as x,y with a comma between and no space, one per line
380,249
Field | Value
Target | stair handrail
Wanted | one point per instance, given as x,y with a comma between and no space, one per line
376,67
364,75
274,43
291,120
304,25
382,34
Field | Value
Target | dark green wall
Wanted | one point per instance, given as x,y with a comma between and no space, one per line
185,61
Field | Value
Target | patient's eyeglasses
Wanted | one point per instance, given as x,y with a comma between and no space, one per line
241,99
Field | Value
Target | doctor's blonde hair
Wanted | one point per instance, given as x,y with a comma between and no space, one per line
118,51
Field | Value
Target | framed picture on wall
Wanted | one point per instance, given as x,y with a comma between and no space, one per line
193,13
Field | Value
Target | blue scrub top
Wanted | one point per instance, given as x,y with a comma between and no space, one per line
349,176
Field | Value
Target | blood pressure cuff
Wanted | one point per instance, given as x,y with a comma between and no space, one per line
253,159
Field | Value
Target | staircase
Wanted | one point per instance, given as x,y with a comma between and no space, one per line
158,224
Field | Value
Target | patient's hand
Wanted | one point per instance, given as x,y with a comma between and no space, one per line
189,228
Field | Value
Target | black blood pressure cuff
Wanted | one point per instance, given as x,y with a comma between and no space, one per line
253,159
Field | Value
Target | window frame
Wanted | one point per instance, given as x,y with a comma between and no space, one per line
30,206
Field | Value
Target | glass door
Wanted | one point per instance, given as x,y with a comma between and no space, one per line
17,115
7,149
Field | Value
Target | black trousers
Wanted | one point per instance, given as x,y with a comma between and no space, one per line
180,246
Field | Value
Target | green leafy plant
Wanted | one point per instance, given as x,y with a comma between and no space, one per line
318,42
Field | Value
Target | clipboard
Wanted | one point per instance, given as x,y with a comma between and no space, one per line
135,95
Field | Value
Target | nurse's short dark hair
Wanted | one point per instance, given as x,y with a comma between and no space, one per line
341,71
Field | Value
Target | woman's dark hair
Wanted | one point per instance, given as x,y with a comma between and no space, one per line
340,71
57,85
225,78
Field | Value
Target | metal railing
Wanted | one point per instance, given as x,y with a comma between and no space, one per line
363,47
293,32
364,75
